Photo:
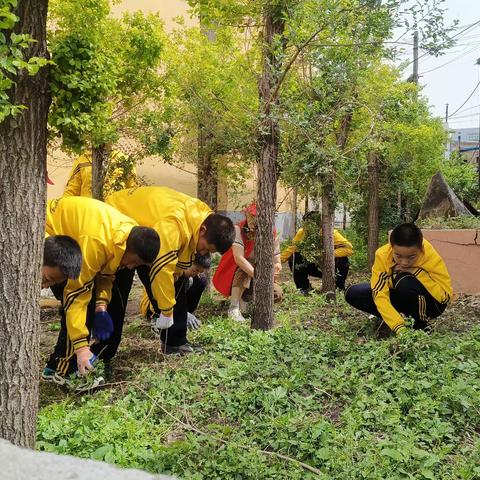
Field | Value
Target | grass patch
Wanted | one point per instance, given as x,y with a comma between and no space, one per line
318,391
454,223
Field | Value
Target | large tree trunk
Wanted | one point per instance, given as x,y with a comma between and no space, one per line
274,25
328,257
373,207
100,157
207,172
328,214
294,209
23,153
399,204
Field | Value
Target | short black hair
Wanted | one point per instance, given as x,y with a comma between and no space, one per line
406,235
144,242
203,261
63,252
220,231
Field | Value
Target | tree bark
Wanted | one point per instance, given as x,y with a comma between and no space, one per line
328,256
399,204
294,209
23,153
328,214
207,172
269,138
100,157
373,207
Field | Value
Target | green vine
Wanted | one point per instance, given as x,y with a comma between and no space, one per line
12,57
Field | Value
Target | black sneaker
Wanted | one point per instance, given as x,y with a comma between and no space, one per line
305,291
185,349
107,370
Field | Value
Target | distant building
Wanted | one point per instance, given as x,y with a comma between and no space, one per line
465,140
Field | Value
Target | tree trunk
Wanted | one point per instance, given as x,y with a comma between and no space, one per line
100,157
207,172
344,220
294,209
399,204
328,214
328,257
274,25
373,207
23,153
406,212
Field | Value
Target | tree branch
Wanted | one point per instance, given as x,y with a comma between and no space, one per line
287,68
155,402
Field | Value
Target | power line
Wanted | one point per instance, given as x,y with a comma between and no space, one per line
468,98
457,49
451,38
469,108
451,61
415,25
466,116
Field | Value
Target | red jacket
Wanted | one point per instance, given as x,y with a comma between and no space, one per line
223,278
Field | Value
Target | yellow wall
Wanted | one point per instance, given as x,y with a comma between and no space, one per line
152,170
168,10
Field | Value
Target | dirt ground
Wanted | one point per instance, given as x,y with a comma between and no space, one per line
141,349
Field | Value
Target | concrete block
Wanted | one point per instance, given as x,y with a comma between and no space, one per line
21,464
460,250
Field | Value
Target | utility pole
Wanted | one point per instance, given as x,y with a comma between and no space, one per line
413,78
448,146
415,57
478,153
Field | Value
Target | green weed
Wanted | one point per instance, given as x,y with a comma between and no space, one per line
404,408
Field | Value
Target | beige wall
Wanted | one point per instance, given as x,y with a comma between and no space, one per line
168,10
152,170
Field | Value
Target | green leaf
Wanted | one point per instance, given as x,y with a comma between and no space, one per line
323,453
99,453
427,474
7,20
391,453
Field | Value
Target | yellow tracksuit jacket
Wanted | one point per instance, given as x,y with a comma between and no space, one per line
79,183
177,219
343,248
431,271
102,232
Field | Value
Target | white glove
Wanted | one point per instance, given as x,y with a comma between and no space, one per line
192,321
161,322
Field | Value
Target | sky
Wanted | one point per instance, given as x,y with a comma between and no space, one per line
451,77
